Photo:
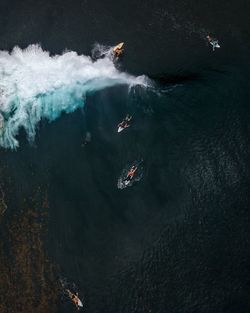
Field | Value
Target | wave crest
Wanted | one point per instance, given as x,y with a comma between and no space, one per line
36,85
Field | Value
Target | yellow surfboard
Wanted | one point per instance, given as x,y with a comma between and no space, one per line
119,46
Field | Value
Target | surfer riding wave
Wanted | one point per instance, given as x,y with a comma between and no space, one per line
35,85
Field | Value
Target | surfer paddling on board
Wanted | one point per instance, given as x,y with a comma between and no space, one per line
125,123
131,173
213,42
74,298
118,50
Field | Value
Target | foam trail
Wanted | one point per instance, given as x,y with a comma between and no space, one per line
35,85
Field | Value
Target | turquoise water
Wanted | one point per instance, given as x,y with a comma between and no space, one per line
35,85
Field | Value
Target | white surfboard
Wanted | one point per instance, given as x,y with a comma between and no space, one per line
79,302
120,129
214,45
119,46
126,182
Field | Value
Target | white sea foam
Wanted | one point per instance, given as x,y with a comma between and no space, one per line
36,85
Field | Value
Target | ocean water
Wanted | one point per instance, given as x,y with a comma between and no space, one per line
177,240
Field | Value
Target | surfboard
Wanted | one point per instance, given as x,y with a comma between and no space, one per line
214,44
79,302
120,128
119,46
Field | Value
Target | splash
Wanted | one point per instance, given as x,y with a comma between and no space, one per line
35,85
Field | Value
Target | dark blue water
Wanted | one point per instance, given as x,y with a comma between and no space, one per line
176,241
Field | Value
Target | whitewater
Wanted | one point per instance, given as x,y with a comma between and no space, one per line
35,85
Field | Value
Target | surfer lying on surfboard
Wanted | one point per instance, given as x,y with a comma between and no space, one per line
74,298
118,50
131,173
213,42
125,123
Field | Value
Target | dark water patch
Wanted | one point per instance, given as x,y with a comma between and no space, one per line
27,277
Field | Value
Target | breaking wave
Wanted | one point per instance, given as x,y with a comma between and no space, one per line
35,85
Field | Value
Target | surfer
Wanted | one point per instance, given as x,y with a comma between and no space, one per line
213,42
125,123
74,297
131,173
118,50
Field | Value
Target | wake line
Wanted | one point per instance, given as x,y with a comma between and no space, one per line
35,85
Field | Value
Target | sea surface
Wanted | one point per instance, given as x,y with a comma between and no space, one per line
177,240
